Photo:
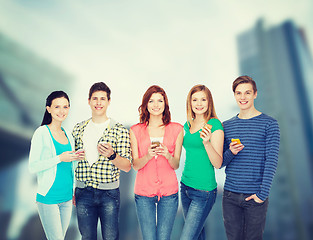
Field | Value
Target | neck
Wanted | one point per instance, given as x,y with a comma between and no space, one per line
55,125
199,118
99,119
248,113
155,121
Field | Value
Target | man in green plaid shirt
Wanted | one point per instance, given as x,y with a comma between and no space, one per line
107,151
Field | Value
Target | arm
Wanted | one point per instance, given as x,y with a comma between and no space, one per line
139,163
173,160
214,148
271,159
123,156
41,156
230,151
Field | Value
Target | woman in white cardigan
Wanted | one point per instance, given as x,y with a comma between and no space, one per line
52,158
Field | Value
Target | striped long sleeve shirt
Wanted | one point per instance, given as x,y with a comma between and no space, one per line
252,170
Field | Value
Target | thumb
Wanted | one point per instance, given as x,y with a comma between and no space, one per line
249,198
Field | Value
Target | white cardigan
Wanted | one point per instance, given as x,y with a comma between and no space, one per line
43,159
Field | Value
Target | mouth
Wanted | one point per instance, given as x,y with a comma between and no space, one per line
243,102
199,108
98,108
61,116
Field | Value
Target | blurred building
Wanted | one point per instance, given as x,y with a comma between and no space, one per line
279,60
25,82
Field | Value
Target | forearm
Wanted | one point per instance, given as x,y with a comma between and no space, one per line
122,163
228,156
173,161
215,158
139,163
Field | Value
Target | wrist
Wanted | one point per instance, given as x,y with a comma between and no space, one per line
113,156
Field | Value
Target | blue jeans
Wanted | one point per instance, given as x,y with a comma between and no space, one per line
197,205
94,204
243,219
55,219
156,218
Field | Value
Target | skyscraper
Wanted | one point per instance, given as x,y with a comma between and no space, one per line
279,60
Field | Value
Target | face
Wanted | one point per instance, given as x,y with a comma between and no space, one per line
99,103
59,109
156,104
199,103
245,96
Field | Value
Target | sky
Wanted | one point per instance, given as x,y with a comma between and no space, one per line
131,45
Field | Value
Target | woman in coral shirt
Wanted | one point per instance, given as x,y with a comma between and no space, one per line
156,144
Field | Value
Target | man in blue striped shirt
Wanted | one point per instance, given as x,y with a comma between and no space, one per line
251,147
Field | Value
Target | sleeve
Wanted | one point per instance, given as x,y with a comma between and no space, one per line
228,156
123,144
271,159
74,135
39,155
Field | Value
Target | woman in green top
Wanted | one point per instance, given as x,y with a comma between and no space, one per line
204,151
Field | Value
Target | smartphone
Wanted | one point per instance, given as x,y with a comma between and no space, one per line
79,151
156,144
236,140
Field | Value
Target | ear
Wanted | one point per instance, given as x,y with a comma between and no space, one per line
255,94
48,109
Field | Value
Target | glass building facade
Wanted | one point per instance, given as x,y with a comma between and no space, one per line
279,60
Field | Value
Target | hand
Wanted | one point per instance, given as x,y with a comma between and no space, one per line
68,156
255,198
74,200
206,135
80,154
151,151
163,150
105,149
235,148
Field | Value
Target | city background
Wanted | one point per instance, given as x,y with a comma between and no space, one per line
130,45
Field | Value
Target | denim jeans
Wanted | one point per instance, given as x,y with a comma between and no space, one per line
94,204
55,218
243,219
197,205
156,218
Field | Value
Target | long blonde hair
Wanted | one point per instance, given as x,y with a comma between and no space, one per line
210,113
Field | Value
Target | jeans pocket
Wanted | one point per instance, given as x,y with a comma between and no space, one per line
114,193
227,194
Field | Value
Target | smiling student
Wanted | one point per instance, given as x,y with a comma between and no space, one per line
251,147
156,144
203,142
107,148
52,158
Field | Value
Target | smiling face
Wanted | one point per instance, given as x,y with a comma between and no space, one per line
156,104
59,109
245,95
99,103
199,103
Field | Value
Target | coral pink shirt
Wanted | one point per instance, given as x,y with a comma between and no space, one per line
157,177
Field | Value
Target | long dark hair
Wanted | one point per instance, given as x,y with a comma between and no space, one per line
47,119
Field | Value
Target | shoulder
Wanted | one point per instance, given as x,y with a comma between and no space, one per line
216,124
116,126
229,121
271,123
175,125
81,124
137,126
42,130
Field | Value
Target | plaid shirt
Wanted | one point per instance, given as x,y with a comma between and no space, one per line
102,171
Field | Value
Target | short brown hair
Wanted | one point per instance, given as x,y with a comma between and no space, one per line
99,86
244,79
143,109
